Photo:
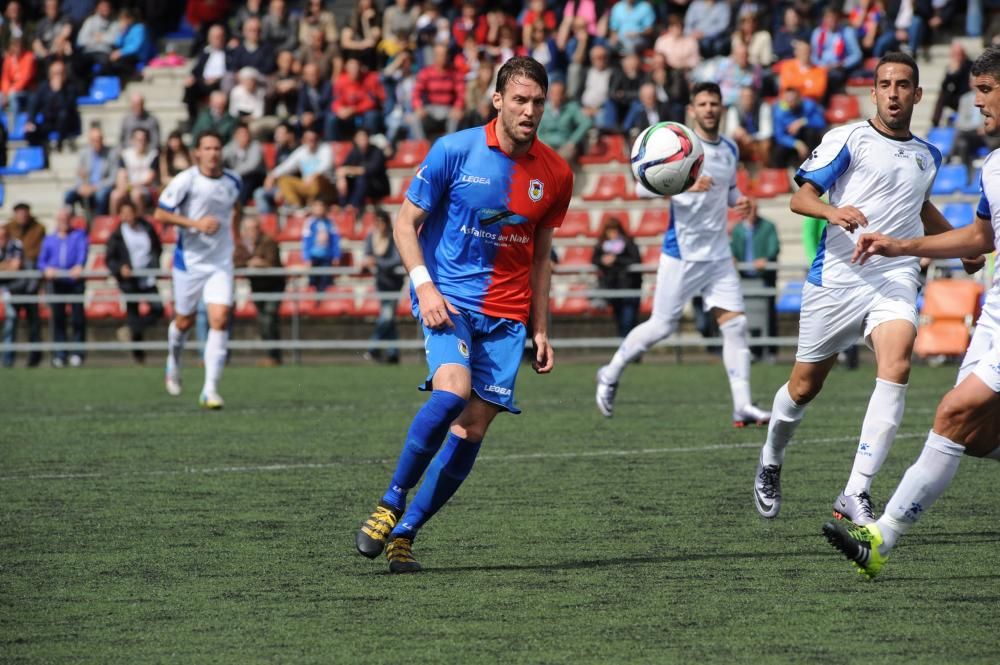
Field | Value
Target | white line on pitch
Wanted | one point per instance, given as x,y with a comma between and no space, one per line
514,457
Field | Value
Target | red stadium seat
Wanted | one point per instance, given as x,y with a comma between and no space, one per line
574,303
105,304
622,216
292,231
365,226
397,197
842,108
577,256
651,255
168,234
409,153
743,180
269,224
101,229
345,225
368,306
340,150
79,223
403,307
608,149
864,79
771,183
294,258
306,306
652,223
338,302
609,186
575,223
245,310
98,261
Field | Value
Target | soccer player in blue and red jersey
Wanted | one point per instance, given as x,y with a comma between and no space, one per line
475,233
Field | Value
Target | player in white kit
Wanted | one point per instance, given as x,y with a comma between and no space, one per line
696,260
878,175
968,418
203,202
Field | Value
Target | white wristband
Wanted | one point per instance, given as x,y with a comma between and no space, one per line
419,276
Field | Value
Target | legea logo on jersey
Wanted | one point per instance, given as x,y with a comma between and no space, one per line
536,188
499,390
474,179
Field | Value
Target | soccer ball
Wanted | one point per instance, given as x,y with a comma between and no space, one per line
667,158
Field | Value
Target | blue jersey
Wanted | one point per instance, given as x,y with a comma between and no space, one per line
484,208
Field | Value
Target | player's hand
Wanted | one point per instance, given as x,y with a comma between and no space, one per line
874,244
848,218
434,309
207,224
742,207
544,360
974,264
702,184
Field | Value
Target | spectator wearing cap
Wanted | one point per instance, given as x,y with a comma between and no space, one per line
707,21
17,77
800,73
315,95
835,47
95,41
97,168
251,51
631,25
256,249
215,117
26,230
244,155
564,125
792,30
304,176
358,97
139,118
246,100
62,259
279,29
132,47
53,109
210,70
53,35
362,176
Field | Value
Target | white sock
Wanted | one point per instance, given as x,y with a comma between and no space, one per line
636,343
885,412
736,358
215,359
785,418
175,340
920,487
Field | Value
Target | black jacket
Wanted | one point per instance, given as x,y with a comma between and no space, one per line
116,254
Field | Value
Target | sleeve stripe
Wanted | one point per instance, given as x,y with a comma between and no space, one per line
824,177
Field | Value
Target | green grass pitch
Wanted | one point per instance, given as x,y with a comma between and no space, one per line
135,528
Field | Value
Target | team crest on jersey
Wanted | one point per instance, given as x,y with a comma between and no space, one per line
463,348
535,190
921,163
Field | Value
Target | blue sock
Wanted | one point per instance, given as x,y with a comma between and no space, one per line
445,475
427,431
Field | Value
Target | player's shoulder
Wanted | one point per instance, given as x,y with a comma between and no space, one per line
234,177
851,131
552,160
991,168
931,148
463,140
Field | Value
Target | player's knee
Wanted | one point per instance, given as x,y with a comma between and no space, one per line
470,431
951,418
183,322
804,389
896,370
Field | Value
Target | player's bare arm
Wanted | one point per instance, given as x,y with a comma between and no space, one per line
541,277
977,238
807,202
207,224
935,223
434,309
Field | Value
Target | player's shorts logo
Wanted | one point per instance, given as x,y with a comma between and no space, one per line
535,190
463,348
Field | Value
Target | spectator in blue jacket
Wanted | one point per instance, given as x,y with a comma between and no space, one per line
65,251
132,47
799,124
835,47
320,244
631,25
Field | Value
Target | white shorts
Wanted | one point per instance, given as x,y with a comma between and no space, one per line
983,356
677,281
832,320
214,284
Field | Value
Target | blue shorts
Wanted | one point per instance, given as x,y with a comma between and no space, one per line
491,349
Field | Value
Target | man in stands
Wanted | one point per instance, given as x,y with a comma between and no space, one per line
96,169
256,249
215,118
252,52
304,175
53,109
209,72
362,175
137,117
564,125
439,95
62,259
26,230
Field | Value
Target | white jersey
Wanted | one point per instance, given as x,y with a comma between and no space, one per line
194,196
698,219
989,208
888,180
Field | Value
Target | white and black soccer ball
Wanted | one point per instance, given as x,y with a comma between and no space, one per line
667,158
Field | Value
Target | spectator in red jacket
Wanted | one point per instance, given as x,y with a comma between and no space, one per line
439,95
358,97
470,22
17,77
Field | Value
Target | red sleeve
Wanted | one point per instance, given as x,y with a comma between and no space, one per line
554,218
482,31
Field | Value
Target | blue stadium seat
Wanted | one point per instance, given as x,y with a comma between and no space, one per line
17,134
104,89
959,214
790,300
3,194
26,160
973,186
943,138
951,179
